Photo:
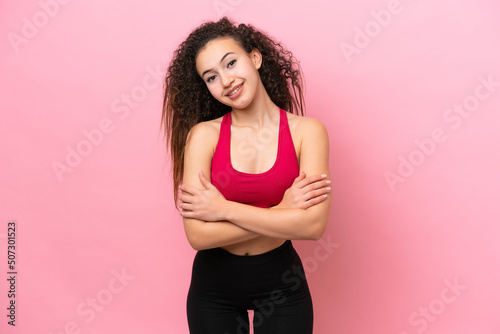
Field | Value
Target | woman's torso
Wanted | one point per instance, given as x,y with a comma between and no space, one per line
255,151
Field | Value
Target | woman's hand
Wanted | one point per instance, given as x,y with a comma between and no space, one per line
203,204
209,204
305,192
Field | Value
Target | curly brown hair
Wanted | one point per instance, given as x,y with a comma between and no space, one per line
187,100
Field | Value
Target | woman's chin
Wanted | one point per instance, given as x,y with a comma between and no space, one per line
238,105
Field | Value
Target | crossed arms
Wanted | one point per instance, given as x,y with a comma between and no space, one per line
212,221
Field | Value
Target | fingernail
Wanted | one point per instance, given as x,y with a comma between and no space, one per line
323,175
328,188
328,181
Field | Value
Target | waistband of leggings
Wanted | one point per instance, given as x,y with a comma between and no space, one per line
286,246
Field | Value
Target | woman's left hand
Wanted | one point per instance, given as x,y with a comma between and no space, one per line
203,204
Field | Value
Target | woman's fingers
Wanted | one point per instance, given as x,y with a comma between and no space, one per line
204,180
310,180
313,184
187,189
315,190
314,201
323,184
317,193
186,214
184,196
185,206
299,178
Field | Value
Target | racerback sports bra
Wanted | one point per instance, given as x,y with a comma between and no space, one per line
263,189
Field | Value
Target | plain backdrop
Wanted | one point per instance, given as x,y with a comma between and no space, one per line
408,90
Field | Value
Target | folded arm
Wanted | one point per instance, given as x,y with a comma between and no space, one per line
205,203
294,223
201,234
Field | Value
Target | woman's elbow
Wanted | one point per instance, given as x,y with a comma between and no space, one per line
318,218
197,241
195,244
193,235
311,232
317,230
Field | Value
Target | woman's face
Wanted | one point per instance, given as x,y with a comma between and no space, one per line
230,73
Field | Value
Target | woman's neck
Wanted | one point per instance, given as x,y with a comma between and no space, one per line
258,113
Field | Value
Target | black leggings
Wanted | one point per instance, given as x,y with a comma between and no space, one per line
224,286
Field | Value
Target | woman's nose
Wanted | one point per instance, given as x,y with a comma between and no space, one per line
226,80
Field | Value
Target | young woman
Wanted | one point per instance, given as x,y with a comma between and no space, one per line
249,174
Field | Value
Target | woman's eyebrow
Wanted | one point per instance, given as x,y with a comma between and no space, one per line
222,59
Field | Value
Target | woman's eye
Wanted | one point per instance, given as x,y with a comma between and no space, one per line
210,78
231,63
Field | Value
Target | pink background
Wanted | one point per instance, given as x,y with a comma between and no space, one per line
413,240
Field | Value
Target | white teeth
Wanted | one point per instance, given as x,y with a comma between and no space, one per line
235,91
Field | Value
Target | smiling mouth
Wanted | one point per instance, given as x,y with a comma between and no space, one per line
234,90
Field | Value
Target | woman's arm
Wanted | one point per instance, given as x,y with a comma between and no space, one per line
286,223
197,157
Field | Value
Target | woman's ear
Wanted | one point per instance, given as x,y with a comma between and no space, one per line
256,57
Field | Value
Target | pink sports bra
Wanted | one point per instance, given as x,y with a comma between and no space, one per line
263,189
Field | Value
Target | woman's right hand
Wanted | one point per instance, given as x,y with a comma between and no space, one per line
305,192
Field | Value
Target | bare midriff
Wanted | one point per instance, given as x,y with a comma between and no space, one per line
254,246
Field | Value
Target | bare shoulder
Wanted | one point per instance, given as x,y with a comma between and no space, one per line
303,126
200,147
205,133
311,143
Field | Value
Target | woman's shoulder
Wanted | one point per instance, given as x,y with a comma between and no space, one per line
304,125
206,132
